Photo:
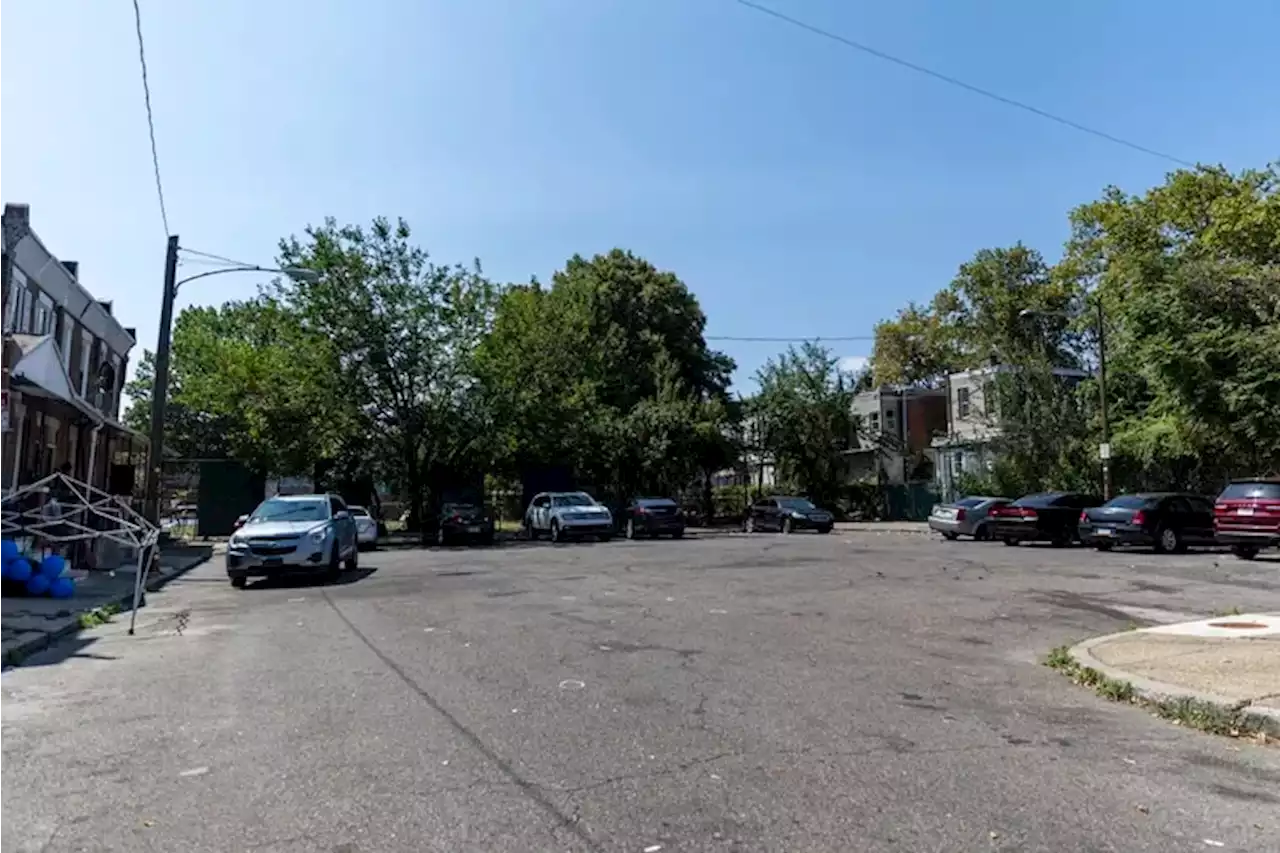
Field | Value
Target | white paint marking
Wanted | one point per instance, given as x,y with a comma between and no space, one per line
195,771
428,630
1268,626
1213,843
669,598
572,684
653,848
717,611
296,600
568,598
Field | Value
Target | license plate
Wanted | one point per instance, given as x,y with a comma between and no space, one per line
1105,531
475,528
1245,510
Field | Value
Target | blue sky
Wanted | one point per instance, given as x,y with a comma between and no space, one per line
800,188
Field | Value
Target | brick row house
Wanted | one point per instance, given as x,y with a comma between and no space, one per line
65,359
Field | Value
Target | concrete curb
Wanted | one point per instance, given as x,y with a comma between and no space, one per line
1149,689
18,653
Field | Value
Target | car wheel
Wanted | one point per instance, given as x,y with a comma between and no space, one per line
530,532
982,534
1245,552
678,533
950,537
1104,546
334,569
353,562
604,537
556,535
1168,541
239,581
1010,541
441,538
787,526
631,528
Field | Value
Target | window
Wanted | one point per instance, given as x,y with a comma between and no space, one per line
336,505
18,319
890,421
962,403
43,322
86,345
873,421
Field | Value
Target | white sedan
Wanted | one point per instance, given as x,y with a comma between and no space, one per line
366,527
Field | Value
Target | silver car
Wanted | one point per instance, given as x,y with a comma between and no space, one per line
965,517
366,527
565,514
297,534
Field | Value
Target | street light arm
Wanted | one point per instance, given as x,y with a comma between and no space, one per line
295,273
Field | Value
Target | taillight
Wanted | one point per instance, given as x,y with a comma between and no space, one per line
1084,516
455,518
1139,518
960,515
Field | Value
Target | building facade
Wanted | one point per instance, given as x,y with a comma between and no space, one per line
894,434
64,361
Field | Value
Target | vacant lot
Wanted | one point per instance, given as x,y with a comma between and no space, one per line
855,691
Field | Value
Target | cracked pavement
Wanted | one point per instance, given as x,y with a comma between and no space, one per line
857,691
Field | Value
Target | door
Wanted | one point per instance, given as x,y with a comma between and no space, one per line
344,525
1199,520
539,511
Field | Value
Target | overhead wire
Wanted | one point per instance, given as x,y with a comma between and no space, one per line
955,81
151,122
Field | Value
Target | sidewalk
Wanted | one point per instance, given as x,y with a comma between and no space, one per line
919,528
31,624
1232,661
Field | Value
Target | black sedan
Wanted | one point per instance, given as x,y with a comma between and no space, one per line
787,514
1163,521
653,517
464,523
1044,517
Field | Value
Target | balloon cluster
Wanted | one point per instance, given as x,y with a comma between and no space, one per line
34,577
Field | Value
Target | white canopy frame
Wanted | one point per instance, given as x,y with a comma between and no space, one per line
85,513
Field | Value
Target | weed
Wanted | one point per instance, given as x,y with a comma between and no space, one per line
98,616
1230,611
1229,720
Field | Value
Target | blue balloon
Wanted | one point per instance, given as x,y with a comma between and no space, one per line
8,550
62,588
38,584
20,570
52,566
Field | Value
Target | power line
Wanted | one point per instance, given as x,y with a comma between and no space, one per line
977,90
813,338
151,123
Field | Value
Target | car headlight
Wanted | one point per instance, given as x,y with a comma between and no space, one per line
237,542
319,534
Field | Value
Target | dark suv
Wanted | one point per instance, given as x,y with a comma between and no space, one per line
1246,516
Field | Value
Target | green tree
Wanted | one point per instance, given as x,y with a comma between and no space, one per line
606,371
404,333
189,433
804,411
1189,276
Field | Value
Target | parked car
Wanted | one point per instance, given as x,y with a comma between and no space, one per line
1168,522
366,527
1246,516
294,534
968,516
787,514
653,517
567,514
464,522
1043,517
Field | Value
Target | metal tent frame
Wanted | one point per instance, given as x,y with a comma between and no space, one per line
87,515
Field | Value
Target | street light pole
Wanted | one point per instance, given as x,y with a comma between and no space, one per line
1105,450
160,385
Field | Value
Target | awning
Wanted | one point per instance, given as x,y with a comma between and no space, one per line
38,372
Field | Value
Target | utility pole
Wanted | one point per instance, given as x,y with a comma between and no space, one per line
160,384
1105,450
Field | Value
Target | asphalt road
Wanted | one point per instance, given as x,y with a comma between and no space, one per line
850,692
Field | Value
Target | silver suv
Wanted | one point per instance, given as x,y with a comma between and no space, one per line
565,514
294,534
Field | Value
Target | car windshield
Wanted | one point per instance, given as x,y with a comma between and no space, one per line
1041,499
1245,491
573,499
796,503
449,509
970,503
278,509
655,502
1127,502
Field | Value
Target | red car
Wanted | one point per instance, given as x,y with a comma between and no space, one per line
1246,516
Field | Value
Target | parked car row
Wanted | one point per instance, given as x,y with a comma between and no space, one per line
1245,517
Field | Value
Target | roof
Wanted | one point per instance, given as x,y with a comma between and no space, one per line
314,496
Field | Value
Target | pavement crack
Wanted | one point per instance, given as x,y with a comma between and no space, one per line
528,787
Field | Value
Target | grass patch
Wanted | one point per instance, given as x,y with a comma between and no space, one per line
98,616
1230,611
1227,720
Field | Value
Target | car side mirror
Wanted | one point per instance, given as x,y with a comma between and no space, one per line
341,514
